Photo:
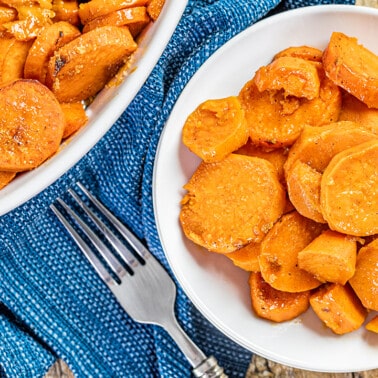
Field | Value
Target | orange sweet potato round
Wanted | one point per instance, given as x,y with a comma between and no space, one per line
277,306
231,203
247,257
215,129
31,125
353,67
365,279
348,194
305,52
278,258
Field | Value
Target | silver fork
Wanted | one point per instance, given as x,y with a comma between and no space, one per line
144,289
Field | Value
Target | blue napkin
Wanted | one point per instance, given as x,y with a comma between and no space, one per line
53,305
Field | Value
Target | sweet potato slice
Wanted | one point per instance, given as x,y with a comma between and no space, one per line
276,120
66,10
316,146
48,41
135,19
331,257
304,52
365,279
338,307
372,325
275,156
6,178
82,67
98,8
348,194
13,54
154,8
31,125
353,109
297,77
246,257
7,14
231,203
303,185
353,67
74,117
277,306
215,129
279,253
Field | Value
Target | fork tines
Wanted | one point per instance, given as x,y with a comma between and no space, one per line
132,257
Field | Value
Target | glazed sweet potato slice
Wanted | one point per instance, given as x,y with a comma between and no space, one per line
82,67
31,124
74,118
316,146
353,67
338,307
6,178
277,306
304,52
303,185
348,194
135,19
231,203
66,10
372,325
246,258
276,120
98,8
279,253
365,279
297,77
154,8
13,54
331,257
48,41
354,110
215,129
7,14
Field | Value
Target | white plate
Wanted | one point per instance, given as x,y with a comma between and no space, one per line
217,288
102,113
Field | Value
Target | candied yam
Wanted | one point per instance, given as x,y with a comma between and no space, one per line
348,193
135,19
7,14
231,203
215,129
13,54
277,306
372,325
74,117
66,10
303,185
316,146
365,279
279,253
353,67
305,52
98,8
48,41
82,67
275,156
297,77
275,120
331,257
31,125
353,109
6,178
154,8
246,257
338,307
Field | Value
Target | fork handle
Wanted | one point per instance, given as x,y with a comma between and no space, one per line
203,367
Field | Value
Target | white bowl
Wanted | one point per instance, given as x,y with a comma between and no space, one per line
102,113
216,287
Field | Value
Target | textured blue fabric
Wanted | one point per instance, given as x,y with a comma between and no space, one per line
53,305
